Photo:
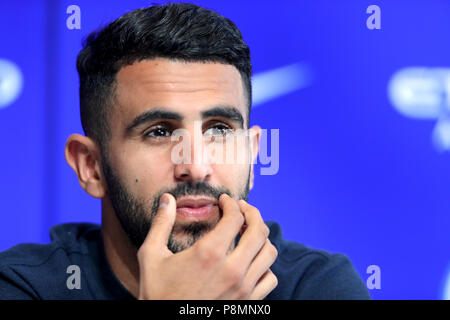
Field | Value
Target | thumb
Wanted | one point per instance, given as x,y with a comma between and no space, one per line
162,223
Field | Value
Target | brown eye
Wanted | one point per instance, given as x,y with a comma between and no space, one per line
218,130
158,132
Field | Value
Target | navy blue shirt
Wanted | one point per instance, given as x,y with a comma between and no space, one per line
41,271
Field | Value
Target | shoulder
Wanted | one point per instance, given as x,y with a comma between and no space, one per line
28,267
307,273
64,237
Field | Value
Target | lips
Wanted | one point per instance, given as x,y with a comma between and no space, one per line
197,208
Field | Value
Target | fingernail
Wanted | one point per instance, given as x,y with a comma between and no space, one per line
242,202
164,201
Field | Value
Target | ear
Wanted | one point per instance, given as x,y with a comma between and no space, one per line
83,155
254,135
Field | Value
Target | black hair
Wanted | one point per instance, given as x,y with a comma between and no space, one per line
177,31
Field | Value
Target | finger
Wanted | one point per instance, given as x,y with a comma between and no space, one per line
253,238
265,285
226,230
162,223
262,262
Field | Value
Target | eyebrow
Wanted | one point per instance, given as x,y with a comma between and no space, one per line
224,111
152,115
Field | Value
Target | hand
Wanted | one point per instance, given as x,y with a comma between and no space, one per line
207,270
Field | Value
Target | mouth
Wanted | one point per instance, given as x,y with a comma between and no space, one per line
197,208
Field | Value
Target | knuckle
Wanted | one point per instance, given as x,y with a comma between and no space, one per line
252,210
244,292
274,280
266,231
208,254
273,251
263,231
237,217
234,277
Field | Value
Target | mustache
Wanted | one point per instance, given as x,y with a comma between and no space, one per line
191,188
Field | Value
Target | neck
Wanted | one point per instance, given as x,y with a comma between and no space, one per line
119,251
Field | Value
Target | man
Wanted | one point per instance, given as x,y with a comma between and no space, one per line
175,224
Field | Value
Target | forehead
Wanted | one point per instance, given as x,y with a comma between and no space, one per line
183,87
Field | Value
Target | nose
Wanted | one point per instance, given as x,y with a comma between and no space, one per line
192,172
195,165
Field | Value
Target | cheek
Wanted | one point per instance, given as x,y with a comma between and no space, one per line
233,150
232,176
145,172
232,170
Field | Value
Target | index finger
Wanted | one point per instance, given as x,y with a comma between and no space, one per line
254,236
225,232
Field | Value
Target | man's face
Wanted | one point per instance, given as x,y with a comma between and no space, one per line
153,99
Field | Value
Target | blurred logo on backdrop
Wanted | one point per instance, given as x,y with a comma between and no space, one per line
275,83
11,82
446,291
267,85
424,93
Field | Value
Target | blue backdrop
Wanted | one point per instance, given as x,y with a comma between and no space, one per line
362,113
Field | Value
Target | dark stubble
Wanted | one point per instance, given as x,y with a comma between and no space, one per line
136,216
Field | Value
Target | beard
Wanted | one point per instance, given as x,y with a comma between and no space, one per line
136,215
